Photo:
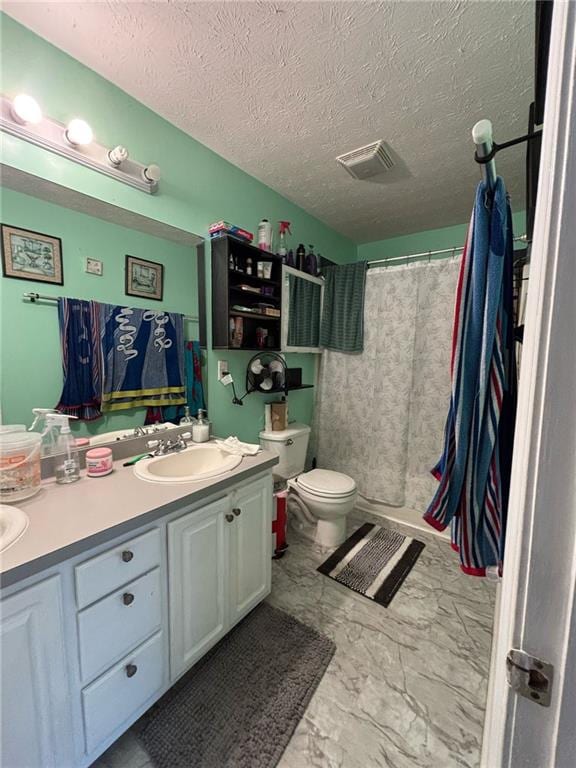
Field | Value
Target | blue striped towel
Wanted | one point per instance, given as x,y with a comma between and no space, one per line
474,470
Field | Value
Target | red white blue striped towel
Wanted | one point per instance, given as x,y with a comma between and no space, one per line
474,470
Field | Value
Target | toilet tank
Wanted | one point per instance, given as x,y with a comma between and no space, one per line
290,445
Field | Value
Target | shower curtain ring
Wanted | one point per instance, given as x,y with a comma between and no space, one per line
454,253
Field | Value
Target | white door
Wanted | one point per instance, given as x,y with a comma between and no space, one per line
198,573
250,547
35,685
537,601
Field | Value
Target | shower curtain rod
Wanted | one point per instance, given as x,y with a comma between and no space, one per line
428,254
34,297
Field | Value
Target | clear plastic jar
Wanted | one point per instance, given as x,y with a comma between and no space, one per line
19,464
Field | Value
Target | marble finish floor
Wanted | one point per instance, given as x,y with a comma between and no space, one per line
407,685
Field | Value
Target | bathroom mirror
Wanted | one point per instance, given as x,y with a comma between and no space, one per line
89,242
302,298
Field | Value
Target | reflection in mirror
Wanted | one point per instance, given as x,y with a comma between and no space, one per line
100,313
301,311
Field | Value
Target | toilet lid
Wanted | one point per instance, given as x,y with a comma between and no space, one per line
326,482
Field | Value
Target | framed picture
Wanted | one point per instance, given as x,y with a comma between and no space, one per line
144,278
28,255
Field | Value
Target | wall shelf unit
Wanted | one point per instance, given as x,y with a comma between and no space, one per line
234,304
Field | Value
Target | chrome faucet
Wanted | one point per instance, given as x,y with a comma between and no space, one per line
168,446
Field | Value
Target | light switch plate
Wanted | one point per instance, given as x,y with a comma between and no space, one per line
222,369
94,266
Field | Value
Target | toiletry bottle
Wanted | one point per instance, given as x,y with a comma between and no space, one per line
311,263
282,248
300,257
290,260
248,266
265,235
201,430
68,462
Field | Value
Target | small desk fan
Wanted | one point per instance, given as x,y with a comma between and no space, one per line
266,372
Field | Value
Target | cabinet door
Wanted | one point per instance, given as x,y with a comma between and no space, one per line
198,574
35,685
250,547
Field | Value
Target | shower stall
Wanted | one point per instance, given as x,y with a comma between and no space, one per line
380,413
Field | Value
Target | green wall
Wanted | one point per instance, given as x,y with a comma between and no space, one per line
428,240
197,188
32,355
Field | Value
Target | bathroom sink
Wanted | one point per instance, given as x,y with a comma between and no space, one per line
198,462
13,523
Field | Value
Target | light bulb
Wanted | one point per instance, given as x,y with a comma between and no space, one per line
152,174
78,133
118,155
25,109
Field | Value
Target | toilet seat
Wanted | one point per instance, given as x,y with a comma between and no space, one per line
326,483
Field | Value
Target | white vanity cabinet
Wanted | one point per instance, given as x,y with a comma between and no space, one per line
219,569
197,577
35,727
250,548
90,643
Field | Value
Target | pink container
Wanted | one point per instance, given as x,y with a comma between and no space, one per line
99,462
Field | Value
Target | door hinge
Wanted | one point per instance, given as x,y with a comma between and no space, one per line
529,676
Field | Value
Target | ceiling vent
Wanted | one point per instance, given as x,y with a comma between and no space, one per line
371,160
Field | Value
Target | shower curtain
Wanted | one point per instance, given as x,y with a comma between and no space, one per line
380,413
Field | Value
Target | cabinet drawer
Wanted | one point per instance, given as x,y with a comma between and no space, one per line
113,699
117,566
119,622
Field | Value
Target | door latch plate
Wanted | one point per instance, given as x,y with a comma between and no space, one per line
529,676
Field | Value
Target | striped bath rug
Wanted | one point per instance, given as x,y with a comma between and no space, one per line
374,561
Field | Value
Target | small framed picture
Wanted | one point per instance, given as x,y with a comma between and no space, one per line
28,255
144,278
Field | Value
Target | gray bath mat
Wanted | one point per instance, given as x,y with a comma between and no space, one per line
239,706
374,561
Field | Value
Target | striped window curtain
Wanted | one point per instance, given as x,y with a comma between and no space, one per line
342,327
304,312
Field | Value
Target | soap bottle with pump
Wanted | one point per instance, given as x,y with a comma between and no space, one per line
187,418
201,429
68,463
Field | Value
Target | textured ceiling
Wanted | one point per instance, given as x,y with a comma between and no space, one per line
280,89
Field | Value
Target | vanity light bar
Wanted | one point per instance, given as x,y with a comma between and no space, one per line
75,143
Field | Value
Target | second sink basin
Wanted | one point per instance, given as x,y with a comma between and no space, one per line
13,523
198,462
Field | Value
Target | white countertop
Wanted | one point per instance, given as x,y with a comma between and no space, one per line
67,519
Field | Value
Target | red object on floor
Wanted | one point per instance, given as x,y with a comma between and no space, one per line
279,522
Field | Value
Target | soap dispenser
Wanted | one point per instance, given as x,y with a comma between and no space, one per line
201,429
187,418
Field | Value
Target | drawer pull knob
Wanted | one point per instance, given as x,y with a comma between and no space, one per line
131,670
127,598
127,555
230,518
237,511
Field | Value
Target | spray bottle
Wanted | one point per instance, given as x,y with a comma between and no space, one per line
282,249
68,463
45,425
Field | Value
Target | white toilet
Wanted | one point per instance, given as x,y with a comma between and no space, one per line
319,498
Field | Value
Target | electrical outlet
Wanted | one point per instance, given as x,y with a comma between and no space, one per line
222,369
